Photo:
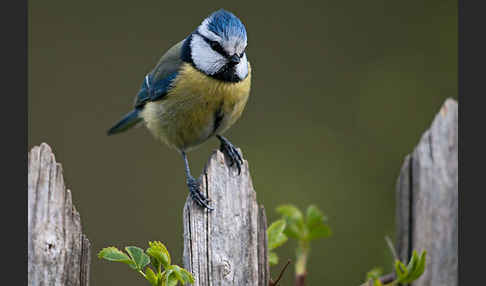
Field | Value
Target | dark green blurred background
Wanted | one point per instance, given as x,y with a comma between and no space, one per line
341,92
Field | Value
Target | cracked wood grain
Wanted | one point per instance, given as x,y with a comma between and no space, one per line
58,251
427,200
227,246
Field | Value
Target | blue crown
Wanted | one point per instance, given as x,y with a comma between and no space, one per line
226,25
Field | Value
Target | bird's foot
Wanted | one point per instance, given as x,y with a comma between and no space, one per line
230,150
196,194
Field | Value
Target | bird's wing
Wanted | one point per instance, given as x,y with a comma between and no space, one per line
156,84
168,63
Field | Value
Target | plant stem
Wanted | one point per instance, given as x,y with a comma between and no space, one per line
386,280
141,272
301,264
272,283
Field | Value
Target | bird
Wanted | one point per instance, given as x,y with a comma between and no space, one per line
197,91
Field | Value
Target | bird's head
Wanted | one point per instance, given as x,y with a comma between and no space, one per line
217,47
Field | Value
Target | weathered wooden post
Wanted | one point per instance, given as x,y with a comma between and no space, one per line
227,246
427,193
58,251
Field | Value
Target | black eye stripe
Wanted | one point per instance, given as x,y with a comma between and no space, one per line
215,46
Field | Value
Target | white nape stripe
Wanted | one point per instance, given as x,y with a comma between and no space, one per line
204,30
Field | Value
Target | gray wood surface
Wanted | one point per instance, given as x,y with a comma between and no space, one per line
228,245
58,251
427,196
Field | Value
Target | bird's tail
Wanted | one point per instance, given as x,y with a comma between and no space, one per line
127,122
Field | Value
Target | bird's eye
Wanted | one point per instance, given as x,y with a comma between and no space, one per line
214,45
241,55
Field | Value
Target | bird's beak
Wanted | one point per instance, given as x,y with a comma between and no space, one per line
234,59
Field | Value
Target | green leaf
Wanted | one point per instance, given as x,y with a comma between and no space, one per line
145,261
272,258
374,276
136,253
414,269
188,278
177,273
420,268
374,273
314,217
319,231
295,230
412,264
151,277
291,212
169,279
155,263
295,221
278,241
377,282
275,234
158,252
315,224
172,281
114,254
180,274
401,271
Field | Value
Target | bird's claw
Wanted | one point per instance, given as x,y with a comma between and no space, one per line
196,194
230,150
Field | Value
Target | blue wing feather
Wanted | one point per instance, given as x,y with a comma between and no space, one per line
152,91
148,92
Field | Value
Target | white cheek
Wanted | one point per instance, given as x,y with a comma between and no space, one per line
205,58
242,68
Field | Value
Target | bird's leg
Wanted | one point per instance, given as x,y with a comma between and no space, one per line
230,150
194,185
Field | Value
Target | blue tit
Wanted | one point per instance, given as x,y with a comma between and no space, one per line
197,90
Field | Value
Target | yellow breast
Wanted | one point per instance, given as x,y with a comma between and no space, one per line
186,117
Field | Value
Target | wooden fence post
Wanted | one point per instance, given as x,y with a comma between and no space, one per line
227,246
427,194
58,251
